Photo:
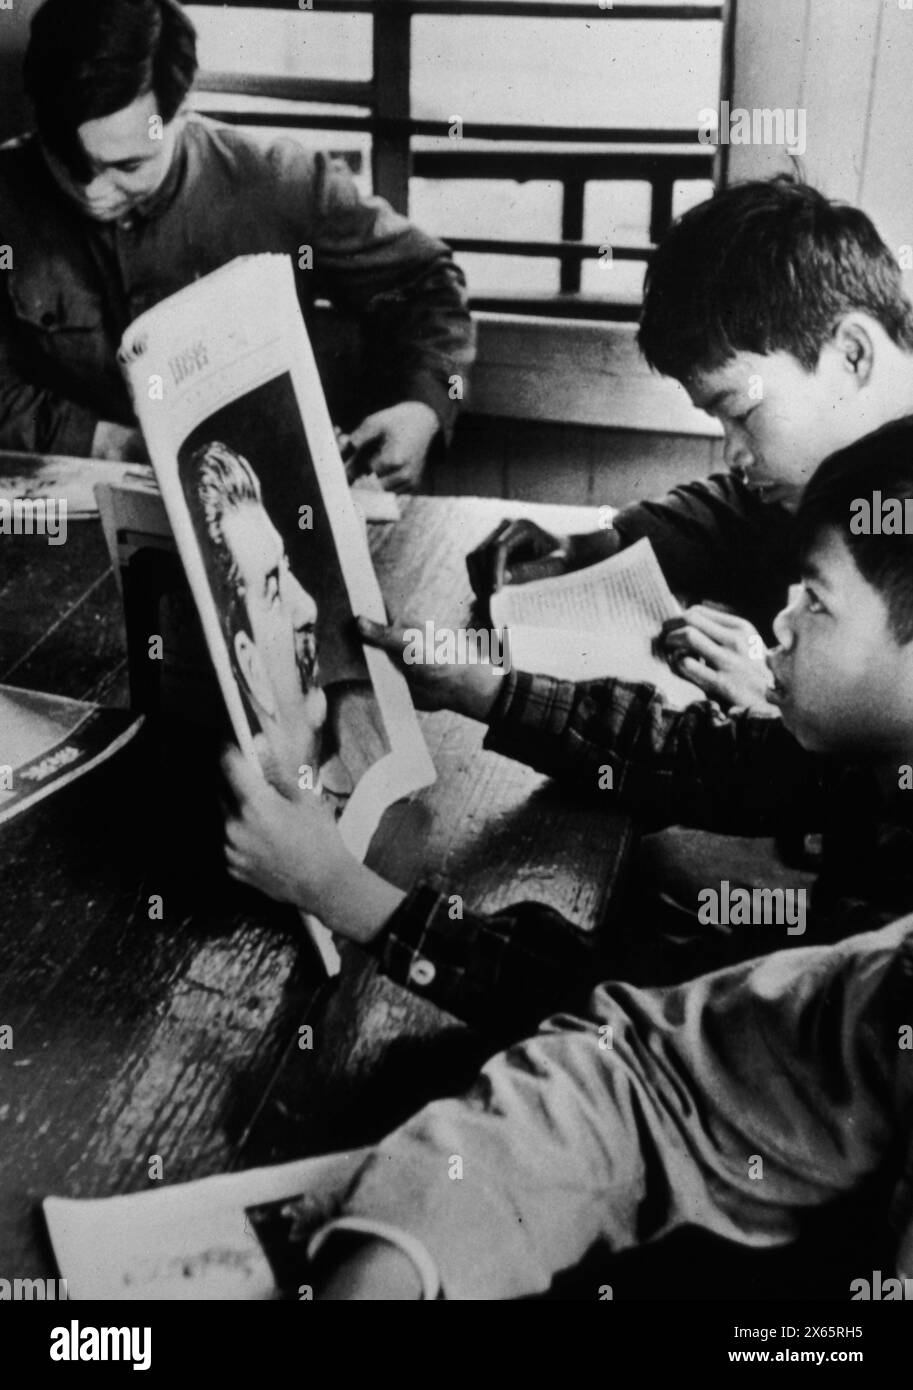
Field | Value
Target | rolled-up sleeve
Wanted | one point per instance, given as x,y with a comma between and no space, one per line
736,1103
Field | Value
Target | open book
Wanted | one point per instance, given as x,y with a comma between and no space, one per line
594,623
228,395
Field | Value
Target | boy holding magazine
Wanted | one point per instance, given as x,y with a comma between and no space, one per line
843,674
621,1125
121,196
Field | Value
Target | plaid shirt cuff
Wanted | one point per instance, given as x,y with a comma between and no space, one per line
537,704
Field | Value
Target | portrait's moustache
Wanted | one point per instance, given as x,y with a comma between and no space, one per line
306,657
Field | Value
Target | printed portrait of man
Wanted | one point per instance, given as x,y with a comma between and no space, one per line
269,620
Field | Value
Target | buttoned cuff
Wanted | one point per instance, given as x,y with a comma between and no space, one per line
527,705
412,1248
406,954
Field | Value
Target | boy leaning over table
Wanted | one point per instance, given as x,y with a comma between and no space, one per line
783,315
641,1114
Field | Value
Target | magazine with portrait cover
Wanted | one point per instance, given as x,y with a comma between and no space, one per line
228,395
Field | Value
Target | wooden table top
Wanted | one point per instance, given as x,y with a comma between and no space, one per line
177,1039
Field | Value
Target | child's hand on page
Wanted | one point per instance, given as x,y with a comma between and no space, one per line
467,689
722,654
516,552
519,551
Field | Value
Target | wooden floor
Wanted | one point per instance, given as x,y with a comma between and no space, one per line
178,1039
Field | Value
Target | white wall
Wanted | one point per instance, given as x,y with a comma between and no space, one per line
849,65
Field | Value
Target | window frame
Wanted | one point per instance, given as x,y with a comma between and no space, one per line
660,157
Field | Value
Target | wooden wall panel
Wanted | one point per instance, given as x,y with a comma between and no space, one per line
529,461
577,372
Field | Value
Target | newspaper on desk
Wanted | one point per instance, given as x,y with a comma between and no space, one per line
48,741
228,395
595,623
73,480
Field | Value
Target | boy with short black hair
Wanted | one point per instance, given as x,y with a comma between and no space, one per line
784,316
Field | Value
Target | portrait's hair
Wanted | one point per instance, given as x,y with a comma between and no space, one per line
767,266
89,58
880,462
219,481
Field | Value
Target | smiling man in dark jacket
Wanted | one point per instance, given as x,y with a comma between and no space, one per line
120,198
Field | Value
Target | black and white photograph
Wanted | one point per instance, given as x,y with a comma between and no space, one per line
456,669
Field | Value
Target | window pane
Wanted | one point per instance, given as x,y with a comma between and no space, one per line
688,193
564,72
284,42
487,208
509,275
617,213
621,282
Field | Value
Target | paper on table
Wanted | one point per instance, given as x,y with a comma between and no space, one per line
188,1241
596,622
373,502
72,480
